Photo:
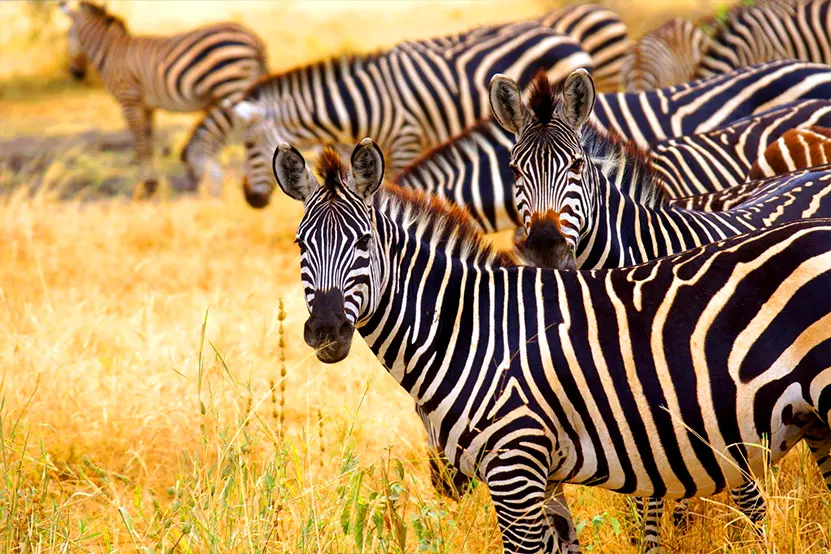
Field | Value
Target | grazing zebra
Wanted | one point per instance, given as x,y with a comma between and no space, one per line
533,378
701,106
575,217
187,72
667,56
721,159
601,33
796,149
775,30
411,97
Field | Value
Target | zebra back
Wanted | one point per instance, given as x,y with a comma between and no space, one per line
602,34
773,30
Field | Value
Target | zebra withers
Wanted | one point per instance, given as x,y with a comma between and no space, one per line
534,378
411,97
190,71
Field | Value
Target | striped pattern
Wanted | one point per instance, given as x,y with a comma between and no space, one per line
601,33
187,72
667,56
702,106
796,149
534,378
773,30
410,98
723,158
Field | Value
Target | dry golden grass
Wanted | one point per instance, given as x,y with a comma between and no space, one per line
142,384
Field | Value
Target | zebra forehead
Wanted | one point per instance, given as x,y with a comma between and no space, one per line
550,140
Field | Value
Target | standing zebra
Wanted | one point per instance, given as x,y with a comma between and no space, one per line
576,217
534,378
796,149
473,169
667,56
411,97
187,72
701,106
774,30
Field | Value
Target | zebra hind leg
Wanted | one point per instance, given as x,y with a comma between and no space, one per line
650,511
139,120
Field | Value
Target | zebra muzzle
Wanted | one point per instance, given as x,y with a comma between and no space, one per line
546,246
328,330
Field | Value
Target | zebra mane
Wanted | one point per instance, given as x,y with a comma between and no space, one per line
101,13
544,97
650,190
330,169
443,224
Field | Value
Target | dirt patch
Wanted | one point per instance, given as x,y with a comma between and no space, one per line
89,165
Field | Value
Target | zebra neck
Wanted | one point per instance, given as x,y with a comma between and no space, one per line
99,41
416,324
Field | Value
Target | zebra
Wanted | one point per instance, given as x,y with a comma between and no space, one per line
771,31
796,149
575,217
411,97
701,106
680,51
600,32
191,71
724,158
473,170
534,378
666,56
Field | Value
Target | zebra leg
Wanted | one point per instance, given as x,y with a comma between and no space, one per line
150,187
650,510
206,141
447,480
136,116
818,439
750,502
559,518
681,513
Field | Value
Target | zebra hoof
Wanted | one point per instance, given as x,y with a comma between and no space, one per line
150,187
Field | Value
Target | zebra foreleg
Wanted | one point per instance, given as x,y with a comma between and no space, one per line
749,500
136,116
650,510
559,518
818,439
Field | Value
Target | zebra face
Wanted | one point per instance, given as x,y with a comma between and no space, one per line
548,163
261,139
75,51
339,251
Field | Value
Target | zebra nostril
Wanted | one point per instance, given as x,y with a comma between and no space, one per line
345,331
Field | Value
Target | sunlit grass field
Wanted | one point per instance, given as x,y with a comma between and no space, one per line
156,394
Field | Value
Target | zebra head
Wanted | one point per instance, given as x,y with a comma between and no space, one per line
549,163
339,249
88,36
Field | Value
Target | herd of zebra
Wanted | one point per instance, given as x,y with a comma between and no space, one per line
700,324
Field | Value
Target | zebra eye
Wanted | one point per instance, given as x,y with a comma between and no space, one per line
299,242
363,242
249,144
517,173
577,166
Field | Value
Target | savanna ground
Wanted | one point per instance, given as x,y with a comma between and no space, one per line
153,394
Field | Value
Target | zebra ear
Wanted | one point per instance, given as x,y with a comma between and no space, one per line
506,102
578,98
291,172
249,112
367,168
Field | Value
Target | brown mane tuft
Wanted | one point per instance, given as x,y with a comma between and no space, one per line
330,168
543,96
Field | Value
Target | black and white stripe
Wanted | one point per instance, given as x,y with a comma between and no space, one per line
411,97
667,56
534,378
191,71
